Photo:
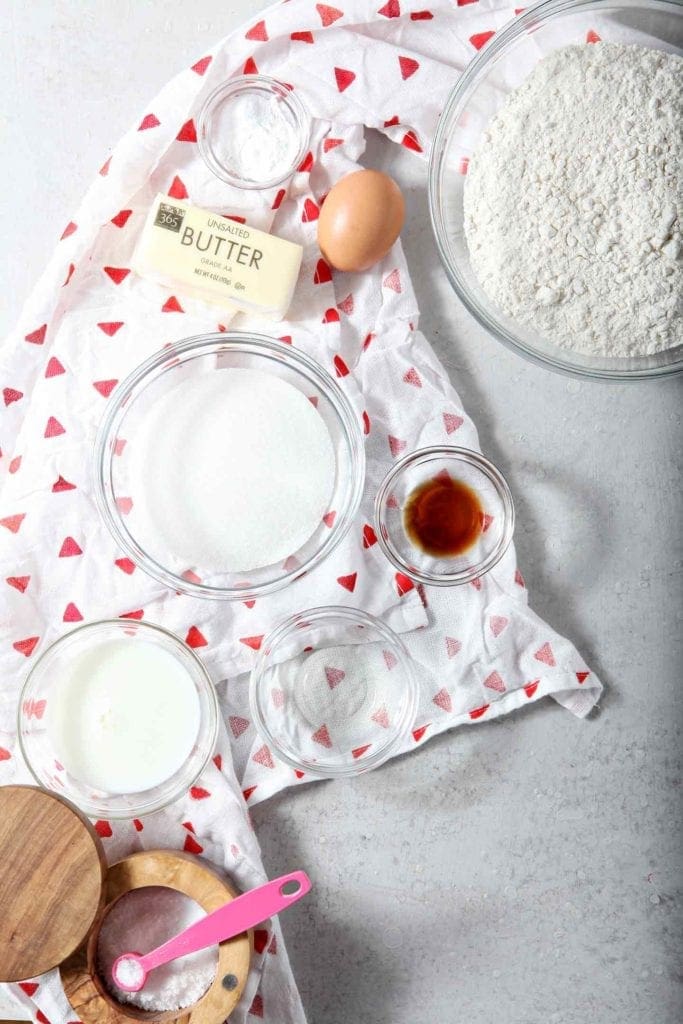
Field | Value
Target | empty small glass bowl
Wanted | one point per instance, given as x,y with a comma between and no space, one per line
242,115
468,467
333,692
181,366
42,686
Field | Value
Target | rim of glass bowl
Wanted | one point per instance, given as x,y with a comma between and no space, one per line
460,455
265,83
207,735
152,368
357,617
518,26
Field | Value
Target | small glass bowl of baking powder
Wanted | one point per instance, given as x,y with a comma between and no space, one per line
253,131
333,693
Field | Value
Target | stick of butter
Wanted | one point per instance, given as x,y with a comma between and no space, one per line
213,258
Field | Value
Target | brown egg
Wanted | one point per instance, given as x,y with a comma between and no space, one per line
360,220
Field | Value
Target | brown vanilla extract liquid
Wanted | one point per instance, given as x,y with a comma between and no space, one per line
443,517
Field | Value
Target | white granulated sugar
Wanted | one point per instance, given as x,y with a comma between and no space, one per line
230,471
257,139
139,922
573,201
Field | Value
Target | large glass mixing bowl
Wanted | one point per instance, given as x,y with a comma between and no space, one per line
176,369
480,92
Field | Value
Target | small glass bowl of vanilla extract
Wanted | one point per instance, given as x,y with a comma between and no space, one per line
444,515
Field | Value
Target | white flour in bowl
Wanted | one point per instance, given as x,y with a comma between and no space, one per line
573,205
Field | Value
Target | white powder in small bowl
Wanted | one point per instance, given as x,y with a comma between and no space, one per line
255,137
139,922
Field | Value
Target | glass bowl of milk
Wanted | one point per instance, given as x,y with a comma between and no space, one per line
119,717
228,465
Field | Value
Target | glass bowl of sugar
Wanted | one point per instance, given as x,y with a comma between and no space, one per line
552,185
333,692
253,131
228,465
118,716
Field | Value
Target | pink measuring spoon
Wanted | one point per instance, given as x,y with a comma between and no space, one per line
130,970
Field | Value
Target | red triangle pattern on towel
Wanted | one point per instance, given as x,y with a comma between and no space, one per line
116,274
252,641
192,846
54,368
369,536
69,548
257,32
195,638
238,725
264,757
480,39
37,337
392,9
148,121
19,583
200,67
11,395
53,428
344,78
311,211
410,141
125,565
27,646
110,327
12,523
187,133
328,15
71,613
348,582
408,66
322,737
105,387
121,218
177,189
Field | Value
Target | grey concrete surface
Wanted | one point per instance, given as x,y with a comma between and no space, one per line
525,871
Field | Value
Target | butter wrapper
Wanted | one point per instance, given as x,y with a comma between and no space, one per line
209,257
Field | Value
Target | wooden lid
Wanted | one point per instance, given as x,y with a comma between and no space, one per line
52,870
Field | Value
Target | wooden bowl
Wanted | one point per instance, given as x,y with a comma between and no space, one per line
185,873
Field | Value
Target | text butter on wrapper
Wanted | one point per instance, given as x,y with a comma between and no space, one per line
215,259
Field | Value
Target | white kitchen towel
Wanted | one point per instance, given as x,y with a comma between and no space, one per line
480,649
